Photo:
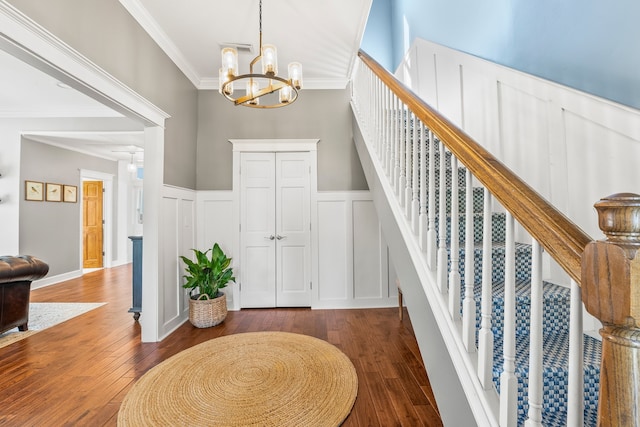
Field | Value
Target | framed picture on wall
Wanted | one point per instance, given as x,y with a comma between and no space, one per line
70,193
33,190
54,192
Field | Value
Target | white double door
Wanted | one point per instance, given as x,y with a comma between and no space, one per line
275,231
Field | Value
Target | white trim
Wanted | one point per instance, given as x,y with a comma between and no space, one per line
107,214
273,145
146,21
52,280
25,39
152,270
60,112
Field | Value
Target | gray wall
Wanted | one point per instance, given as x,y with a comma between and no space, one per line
323,114
107,34
51,230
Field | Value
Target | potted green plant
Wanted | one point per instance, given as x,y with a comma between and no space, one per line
207,274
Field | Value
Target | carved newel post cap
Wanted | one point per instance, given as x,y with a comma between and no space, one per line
611,267
619,218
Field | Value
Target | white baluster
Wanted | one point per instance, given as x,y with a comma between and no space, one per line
441,271
379,119
372,115
402,180
454,274
394,144
423,225
535,346
469,304
431,212
387,133
485,338
415,202
508,380
575,412
409,143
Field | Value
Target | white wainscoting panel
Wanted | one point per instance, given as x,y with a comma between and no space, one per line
216,225
606,164
352,255
524,127
334,256
449,87
177,236
367,250
572,147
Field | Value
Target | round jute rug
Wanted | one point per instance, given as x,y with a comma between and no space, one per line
249,379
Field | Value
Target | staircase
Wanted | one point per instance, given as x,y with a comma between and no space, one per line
515,365
556,313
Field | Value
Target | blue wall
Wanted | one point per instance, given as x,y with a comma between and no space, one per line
377,40
591,45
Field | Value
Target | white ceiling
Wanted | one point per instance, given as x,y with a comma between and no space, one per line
323,35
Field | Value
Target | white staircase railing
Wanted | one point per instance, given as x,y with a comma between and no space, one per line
409,151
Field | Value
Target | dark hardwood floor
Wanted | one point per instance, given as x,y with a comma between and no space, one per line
78,372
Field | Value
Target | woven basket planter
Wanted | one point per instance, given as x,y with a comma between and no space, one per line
204,313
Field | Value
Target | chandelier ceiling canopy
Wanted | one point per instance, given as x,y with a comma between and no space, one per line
257,85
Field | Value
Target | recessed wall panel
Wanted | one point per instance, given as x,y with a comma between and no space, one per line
332,250
366,251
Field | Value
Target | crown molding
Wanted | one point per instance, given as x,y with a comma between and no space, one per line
150,25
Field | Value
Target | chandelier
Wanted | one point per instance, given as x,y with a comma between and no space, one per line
258,85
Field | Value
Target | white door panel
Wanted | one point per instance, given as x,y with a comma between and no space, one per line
293,229
258,284
257,225
275,230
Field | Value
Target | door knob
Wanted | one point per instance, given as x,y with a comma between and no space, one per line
270,237
279,237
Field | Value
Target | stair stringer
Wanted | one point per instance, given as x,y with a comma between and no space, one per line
459,395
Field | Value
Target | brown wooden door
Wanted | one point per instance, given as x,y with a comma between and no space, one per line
92,224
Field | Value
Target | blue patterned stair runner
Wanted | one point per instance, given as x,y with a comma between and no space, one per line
555,316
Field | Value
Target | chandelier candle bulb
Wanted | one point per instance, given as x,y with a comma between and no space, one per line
269,60
252,89
285,95
224,88
295,74
229,61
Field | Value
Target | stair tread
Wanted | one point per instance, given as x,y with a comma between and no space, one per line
523,290
555,353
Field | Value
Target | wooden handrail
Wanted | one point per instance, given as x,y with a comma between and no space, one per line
558,235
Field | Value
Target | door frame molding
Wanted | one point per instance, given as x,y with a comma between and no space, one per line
274,146
107,214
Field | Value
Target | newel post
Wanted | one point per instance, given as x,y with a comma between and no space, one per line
611,292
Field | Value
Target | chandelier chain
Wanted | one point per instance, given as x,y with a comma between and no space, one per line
260,21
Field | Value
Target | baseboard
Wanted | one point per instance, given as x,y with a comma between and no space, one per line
355,303
118,263
52,280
